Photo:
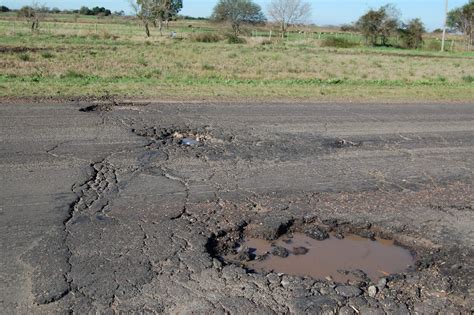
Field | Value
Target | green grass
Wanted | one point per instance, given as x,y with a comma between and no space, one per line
91,56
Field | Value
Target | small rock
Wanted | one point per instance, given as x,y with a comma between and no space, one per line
348,291
300,250
273,278
317,233
189,141
339,236
246,255
346,310
368,234
382,284
279,251
216,264
372,290
285,283
371,311
456,266
330,222
270,227
360,274
357,302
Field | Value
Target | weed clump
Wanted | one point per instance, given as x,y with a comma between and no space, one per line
337,42
208,67
24,56
205,38
73,74
468,78
234,39
47,55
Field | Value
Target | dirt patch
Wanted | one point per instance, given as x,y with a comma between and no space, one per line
21,49
97,108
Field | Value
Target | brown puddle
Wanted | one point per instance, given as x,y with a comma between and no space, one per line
333,257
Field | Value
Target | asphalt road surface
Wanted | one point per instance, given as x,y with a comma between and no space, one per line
106,210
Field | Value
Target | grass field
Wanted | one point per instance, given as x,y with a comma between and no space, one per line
86,56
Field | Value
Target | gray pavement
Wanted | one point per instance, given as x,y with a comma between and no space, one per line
105,211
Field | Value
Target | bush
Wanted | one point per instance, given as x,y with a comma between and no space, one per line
24,56
266,42
412,34
234,39
338,42
348,28
468,78
205,38
433,45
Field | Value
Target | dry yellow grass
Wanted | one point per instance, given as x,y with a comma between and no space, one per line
91,57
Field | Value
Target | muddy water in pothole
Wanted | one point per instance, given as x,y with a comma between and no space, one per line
333,257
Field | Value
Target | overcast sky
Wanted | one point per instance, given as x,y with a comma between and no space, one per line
325,12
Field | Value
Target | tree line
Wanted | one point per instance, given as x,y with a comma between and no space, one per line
97,11
376,25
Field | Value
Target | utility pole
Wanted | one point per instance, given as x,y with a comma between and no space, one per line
445,25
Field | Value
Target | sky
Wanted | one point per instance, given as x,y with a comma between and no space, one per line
325,12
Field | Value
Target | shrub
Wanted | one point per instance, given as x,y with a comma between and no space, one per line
338,42
266,42
24,56
205,38
234,39
412,34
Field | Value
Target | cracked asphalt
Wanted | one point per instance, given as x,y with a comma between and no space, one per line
105,211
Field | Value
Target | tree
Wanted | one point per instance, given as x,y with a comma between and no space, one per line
289,12
32,14
381,23
85,11
4,9
119,13
238,12
156,12
412,33
462,20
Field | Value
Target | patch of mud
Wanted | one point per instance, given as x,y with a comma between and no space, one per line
324,250
334,258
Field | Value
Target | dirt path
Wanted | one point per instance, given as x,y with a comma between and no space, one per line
107,209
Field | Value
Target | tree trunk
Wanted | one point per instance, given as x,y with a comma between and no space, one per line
147,29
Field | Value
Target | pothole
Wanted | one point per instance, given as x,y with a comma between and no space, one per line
184,136
345,259
332,251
